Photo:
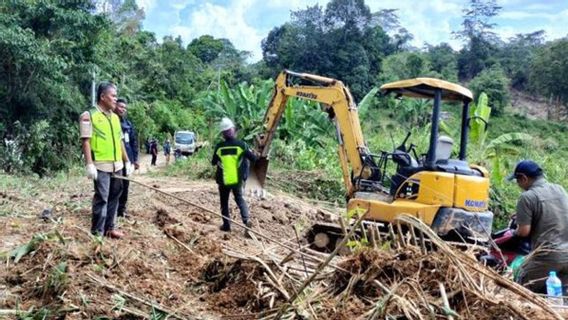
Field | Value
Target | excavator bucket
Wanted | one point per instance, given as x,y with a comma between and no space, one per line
257,178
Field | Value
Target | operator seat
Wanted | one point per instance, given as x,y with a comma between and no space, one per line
407,168
444,147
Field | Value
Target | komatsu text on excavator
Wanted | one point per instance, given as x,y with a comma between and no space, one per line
449,195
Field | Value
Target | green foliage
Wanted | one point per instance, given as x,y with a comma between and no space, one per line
57,280
479,115
549,71
51,48
477,32
405,65
517,55
27,248
343,41
31,314
206,48
444,62
495,84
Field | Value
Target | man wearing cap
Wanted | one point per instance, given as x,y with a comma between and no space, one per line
542,215
228,157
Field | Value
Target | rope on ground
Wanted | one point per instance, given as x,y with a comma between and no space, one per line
233,221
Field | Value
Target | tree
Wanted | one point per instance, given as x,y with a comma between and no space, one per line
495,84
206,48
549,71
405,65
477,31
516,56
477,20
127,16
343,41
443,61
44,45
389,21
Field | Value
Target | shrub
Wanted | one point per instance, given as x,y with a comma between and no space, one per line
495,84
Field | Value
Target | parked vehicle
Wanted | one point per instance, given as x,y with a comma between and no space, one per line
184,143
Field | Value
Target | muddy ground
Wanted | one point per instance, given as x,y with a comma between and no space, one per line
164,259
175,262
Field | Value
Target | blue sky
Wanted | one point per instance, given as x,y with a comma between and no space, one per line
246,22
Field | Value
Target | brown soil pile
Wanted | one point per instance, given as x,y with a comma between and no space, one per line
413,280
163,265
234,286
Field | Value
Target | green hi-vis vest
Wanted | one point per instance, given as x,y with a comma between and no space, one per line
230,160
105,141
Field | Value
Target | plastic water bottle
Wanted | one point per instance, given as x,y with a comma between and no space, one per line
554,289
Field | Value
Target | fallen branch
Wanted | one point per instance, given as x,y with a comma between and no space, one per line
157,306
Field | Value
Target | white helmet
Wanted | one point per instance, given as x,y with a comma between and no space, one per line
226,124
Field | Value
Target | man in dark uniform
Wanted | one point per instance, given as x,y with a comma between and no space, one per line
131,146
228,157
542,215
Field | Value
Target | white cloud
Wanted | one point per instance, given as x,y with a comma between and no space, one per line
147,5
522,15
222,22
429,21
554,27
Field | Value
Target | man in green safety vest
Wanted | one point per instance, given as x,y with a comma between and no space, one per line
105,157
229,158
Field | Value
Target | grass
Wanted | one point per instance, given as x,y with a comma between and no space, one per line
310,163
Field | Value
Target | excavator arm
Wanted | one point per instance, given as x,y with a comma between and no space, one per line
337,101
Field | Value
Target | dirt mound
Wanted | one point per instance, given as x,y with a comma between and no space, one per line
158,268
415,280
233,286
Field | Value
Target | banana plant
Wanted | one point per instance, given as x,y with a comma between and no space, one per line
492,153
244,104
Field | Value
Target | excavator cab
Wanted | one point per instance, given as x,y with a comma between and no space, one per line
440,147
447,194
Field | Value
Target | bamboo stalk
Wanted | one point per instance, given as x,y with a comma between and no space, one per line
445,301
270,239
372,237
400,234
393,236
322,265
103,283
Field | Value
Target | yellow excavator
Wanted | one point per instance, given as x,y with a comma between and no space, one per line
449,195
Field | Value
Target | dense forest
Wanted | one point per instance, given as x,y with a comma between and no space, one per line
53,50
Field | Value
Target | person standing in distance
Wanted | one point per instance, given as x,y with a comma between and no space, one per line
154,151
228,157
167,151
105,157
131,146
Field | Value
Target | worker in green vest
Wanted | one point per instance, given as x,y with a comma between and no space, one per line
105,157
229,158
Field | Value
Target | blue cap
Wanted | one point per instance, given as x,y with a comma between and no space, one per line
552,273
527,167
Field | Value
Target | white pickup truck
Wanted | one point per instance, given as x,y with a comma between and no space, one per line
185,142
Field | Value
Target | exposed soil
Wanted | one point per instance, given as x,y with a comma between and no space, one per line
174,259
72,274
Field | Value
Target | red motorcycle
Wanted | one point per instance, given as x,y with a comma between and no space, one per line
509,247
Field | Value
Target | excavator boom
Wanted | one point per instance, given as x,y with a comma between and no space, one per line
336,101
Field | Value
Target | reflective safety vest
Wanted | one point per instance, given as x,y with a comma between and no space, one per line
105,141
230,162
